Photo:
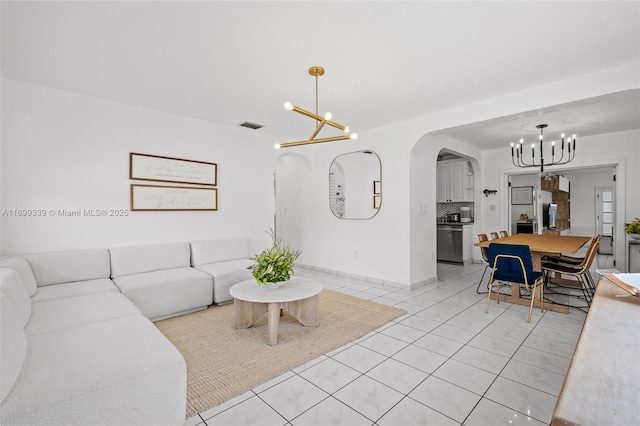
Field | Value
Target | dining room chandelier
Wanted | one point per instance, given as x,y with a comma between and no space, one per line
518,157
321,121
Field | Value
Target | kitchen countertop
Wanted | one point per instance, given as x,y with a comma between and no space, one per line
601,385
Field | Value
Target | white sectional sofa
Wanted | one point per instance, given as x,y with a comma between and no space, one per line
226,260
159,279
69,273
84,358
78,345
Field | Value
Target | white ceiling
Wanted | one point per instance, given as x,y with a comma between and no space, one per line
229,62
614,112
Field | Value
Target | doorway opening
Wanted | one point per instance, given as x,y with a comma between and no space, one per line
592,205
455,208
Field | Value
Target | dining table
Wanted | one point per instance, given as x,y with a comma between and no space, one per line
540,245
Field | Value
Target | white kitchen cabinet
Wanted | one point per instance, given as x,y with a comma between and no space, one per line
442,182
454,181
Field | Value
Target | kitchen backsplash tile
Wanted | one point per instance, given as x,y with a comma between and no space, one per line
442,209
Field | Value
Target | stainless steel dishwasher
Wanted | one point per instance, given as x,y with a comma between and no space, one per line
449,243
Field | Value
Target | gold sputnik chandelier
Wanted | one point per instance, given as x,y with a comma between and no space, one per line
321,121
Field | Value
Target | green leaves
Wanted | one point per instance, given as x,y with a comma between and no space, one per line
274,263
634,227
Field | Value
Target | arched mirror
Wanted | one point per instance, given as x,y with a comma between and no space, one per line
355,185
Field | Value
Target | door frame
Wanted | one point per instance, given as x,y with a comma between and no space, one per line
619,166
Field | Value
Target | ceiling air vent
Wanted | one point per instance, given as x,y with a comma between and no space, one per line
251,125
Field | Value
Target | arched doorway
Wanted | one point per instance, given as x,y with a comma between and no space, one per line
424,201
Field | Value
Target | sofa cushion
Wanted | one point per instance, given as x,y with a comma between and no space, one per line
71,312
79,288
121,371
22,267
148,258
13,348
69,266
11,285
161,294
225,275
210,251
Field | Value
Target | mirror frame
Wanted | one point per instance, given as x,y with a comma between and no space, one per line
376,198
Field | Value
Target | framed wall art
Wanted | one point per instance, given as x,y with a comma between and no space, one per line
175,170
521,195
376,201
377,187
167,198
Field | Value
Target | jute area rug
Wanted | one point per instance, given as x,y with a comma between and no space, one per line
224,362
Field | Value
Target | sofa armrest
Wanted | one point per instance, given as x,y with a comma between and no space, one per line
22,267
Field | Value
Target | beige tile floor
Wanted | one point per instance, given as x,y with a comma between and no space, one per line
446,362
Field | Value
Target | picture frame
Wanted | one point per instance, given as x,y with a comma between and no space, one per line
377,187
173,198
521,195
175,170
377,200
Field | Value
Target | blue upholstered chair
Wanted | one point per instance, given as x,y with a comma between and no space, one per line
511,263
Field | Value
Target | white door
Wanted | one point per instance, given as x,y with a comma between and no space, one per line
605,214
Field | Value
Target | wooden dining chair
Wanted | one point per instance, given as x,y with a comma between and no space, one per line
576,261
494,236
578,272
504,233
511,263
485,256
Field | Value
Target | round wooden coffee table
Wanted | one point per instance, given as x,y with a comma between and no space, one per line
298,296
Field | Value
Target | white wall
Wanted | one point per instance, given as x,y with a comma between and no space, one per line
583,199
66,151
370,248
292,183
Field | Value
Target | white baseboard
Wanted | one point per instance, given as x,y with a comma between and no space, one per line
372,280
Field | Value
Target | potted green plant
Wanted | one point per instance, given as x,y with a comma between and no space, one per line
633,229
274,264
